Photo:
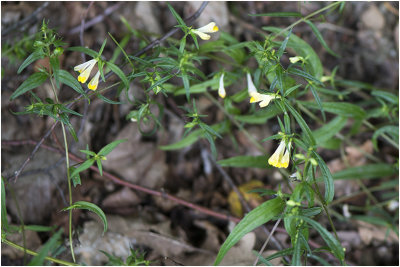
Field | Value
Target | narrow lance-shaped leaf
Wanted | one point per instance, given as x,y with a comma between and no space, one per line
260,215
108,148
320,38
69,80
93,208
114,68
328,179
51,244
32,82
85,165
302,123
84,50
284,43
29,60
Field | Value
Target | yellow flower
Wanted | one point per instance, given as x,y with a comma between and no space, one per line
84,69
296,59
263,99
250,85
280,158
209,28
94,82
221,90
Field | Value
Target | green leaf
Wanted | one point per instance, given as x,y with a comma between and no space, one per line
193,137
320,38
278,14
319,102
258,216
186,85
99,166
303,74
108,148
32,82
176,15
84,50
85,165
339,108
114,68
327,177
390,129
76,179
303,125
69,80
84,205
389,97
55,65
102,47
105,99
332,243
39,228
4,221
284,43
260,116
303,49
51,244
369,171
326,132
245,162
29,60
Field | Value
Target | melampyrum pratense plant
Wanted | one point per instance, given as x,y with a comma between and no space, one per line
275,89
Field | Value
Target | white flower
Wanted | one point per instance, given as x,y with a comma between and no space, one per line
221,90
84,69
263,99
250,85
209,28
94,82
280,158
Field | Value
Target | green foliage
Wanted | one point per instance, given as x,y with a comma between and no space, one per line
84,205
258,216
48,246
136,258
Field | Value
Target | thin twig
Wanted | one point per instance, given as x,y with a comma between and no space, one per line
25,20
96,19
266,241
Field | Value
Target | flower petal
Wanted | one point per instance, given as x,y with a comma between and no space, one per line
221,90
250,85
92,85
210,27
202,35
85,65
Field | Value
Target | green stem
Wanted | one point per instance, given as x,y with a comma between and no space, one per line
68,176
70,192
321,199
307,17
33,253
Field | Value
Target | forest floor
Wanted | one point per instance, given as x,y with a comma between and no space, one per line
365,36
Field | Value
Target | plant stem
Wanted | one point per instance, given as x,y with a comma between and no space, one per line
33,253
70,192
68,175
324,204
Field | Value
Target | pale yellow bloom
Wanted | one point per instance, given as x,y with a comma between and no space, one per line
263,99
221,90
202,32
296,59
84,69
280,158
94,82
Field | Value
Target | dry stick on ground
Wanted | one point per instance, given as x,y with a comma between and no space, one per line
144,50
25,20
127,184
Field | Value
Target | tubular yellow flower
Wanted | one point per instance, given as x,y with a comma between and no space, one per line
263,99
280,158
84,69
221,90
209,28
92,85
